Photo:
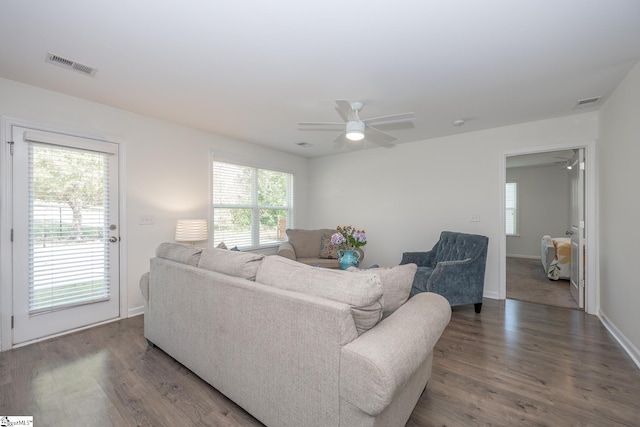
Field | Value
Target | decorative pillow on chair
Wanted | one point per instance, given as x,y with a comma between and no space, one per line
328,249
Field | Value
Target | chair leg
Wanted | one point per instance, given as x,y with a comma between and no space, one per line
478,307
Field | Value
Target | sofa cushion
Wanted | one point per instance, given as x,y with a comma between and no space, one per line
307,243
185,254
233,263
362,292
327,249
396,284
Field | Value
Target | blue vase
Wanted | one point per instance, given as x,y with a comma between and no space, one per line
348,258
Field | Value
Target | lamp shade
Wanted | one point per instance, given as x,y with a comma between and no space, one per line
191,230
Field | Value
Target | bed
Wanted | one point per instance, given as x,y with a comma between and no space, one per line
556,257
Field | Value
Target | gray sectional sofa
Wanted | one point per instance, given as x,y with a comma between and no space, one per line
295,345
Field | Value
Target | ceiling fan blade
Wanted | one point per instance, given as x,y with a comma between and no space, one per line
339,141
377,136
303,124
344,109
393,118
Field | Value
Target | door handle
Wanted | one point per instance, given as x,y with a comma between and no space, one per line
113,239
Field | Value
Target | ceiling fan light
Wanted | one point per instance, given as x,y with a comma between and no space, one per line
355,131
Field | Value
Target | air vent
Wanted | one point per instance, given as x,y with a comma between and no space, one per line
70,65
589,102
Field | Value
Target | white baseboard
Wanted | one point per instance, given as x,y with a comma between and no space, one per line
136,311
490,295
523,256
627,345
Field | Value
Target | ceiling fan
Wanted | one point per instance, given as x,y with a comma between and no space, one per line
564,162
357,129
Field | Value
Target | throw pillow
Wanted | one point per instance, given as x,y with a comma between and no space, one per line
328,249
233,263
221,245
396,284
361,292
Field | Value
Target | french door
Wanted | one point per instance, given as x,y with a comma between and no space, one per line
577,284
65,233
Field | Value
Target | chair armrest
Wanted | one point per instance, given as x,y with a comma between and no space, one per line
448,275
375,366
421,259
286,250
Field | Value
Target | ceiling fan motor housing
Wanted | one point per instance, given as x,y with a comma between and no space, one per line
355,130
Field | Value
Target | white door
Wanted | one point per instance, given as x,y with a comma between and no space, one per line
577,227
65,233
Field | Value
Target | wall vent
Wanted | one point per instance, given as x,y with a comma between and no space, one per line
589,102
52,58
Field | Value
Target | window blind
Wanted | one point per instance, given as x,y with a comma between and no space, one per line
68,227
250,205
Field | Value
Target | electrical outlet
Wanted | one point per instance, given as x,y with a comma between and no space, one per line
146,220
475,218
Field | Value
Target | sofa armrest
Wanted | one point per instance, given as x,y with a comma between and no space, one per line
548,252
421,259
377,365
144,286
286,250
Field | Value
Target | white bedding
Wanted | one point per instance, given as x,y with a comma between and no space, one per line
556,257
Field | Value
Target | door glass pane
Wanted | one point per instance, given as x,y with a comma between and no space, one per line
68,227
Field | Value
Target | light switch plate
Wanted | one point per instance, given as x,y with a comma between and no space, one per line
146,220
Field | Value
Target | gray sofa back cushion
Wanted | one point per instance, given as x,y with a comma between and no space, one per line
184,254
307,243
362,292
396,284
233,263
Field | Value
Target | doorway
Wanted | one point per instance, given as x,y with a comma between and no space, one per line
542,175
65,233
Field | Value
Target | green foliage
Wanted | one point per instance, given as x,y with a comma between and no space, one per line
272,193
73,177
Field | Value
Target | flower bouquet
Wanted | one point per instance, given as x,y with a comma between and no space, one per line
349,239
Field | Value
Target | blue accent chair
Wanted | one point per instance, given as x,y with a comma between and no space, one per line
454,268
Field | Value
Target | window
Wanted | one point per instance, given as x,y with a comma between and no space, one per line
511,208
251,207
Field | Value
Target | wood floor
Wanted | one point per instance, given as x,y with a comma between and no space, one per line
515,364
527,281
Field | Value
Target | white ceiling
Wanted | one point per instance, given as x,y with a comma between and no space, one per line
251,70
558,158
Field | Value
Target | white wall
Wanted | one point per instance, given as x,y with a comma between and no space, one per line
167,165
405,196
543,207
619,204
